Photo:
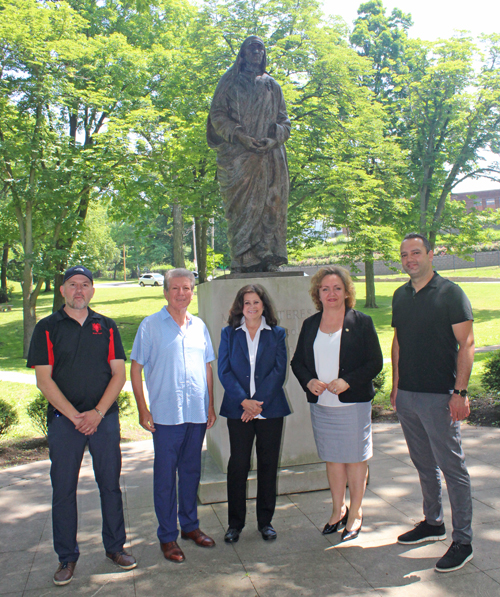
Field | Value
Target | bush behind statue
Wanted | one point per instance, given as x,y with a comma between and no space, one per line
37,410
8,416
491,376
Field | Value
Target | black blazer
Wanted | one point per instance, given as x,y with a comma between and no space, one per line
360,356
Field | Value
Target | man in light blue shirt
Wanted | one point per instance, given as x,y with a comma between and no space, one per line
175,351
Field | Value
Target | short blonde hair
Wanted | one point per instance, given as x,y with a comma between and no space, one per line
332,270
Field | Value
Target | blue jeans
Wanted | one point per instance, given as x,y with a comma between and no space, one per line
434,444
67,446
177,451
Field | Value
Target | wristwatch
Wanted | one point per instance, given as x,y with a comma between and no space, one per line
462,393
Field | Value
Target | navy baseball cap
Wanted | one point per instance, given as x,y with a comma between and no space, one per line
78,270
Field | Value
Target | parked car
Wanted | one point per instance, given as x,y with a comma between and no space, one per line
151,279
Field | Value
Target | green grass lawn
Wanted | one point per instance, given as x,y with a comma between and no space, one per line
128,305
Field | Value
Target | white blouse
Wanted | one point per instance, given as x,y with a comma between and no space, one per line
326,360
253,346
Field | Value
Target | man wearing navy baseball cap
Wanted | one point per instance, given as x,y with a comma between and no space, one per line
80,368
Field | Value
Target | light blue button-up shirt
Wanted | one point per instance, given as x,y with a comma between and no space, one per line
174,362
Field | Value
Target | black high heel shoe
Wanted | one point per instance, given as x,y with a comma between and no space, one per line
333,528
348,535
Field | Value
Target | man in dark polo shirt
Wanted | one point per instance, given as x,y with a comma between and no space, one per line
432,357
80,368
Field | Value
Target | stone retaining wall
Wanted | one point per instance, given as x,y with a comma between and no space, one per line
441,262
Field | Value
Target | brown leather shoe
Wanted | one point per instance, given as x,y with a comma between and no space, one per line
64,573
199,538
172,552
122,559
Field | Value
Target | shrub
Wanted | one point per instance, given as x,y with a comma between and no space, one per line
37,412
379,381
37,409
124,402
4,297
491,376
8,416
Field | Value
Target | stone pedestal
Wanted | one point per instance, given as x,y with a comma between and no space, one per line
299,463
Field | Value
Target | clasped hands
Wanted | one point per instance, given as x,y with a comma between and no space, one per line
251,408
336,386
258,146
87,422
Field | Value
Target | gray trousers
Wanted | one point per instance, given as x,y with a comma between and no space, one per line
434,443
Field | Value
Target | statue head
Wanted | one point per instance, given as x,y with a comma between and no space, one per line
252,55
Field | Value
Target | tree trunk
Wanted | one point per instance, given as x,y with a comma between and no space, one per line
201,236
29,304
47,285
178,236
58,301
29,295
370,284
5,261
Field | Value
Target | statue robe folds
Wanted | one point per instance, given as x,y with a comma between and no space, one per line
254,186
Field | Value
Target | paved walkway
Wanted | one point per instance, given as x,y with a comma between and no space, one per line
302,562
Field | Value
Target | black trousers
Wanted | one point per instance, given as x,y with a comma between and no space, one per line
268,442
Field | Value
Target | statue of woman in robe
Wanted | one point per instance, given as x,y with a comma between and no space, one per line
248,127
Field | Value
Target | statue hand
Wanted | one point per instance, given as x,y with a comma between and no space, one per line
266,145
248,143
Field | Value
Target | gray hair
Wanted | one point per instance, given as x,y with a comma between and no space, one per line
180,272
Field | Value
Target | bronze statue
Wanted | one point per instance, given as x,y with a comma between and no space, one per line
248,127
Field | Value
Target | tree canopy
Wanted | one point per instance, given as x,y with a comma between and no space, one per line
103,109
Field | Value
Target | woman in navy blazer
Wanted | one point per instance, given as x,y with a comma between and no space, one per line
252,370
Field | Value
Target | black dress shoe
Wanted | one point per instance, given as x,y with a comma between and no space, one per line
232,535
268,533
348,535
333,528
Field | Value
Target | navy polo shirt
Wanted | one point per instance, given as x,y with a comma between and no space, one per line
427,345
80,356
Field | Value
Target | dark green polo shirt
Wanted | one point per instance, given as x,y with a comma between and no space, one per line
427,346
79,355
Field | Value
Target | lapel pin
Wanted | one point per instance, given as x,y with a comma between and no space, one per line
347,329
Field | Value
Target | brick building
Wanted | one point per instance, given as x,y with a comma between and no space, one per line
479,199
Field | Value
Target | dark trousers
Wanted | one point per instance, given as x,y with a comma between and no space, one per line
434,444
67,446
268,442
177,452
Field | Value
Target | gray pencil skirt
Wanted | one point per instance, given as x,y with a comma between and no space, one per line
344,433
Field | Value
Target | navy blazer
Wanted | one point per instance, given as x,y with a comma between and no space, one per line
270,372
360,358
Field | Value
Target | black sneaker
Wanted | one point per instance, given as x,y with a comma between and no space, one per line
458,555
422,532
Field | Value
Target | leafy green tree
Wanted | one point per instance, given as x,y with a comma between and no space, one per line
95,247
64,120
448,115
381,39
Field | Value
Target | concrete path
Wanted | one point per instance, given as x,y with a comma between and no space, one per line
302,562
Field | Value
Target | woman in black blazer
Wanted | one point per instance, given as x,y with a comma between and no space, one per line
252,370
337,356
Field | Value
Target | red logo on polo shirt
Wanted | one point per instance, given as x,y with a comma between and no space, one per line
96,328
